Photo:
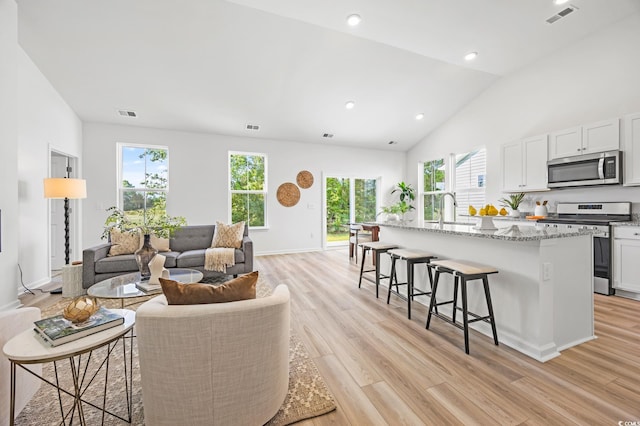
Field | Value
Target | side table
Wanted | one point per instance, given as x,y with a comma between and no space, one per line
26,348
72,281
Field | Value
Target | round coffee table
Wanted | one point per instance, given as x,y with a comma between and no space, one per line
124,286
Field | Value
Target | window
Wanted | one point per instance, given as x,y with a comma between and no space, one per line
248,188
365,200
143,180
433,184
470,172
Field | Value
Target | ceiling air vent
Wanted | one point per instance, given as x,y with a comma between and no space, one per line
327,135
562,14
125,113
253,127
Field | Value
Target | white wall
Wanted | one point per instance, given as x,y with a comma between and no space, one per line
8,154
198,179
593,80
45,122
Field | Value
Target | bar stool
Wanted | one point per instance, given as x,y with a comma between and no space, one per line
378,248
412,257
462,271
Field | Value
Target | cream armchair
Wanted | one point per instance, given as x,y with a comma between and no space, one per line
216,364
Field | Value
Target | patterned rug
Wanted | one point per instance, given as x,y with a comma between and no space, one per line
308,394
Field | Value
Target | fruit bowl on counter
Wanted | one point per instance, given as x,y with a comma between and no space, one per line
486,214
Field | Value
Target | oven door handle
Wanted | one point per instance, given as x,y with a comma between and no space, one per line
601,168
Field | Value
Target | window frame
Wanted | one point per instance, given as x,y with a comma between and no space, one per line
446,159
265,190
120,190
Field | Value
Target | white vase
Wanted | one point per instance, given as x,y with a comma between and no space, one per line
541,211
515,213
392,217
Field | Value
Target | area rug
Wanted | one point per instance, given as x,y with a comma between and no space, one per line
308,394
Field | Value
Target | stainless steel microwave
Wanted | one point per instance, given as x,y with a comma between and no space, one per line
602,168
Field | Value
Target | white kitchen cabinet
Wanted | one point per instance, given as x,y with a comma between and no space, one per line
631,147
626,252
524,165
565,143
586,139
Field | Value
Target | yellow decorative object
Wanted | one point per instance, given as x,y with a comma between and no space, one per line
492,211
503,212
472,210
483,211
80,309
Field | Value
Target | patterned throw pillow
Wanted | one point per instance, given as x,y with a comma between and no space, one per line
123,242
241,288
228,235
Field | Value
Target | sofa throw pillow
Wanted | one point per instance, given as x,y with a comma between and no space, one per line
229,236
241,288
123,242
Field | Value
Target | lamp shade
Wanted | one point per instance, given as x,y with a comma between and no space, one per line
65,188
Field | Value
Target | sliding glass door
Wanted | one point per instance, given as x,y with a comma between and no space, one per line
348,200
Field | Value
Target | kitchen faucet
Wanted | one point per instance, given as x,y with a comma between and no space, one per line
455,204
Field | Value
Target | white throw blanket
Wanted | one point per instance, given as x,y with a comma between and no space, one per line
217,259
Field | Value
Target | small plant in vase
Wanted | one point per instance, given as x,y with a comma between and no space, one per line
154,221
513,202
407,195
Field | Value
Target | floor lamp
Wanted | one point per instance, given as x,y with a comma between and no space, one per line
65,188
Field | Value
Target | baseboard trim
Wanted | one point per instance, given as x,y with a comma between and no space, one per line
307,250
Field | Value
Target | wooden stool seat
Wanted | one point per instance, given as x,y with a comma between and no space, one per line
463,271
465,267
378,248
412,257
378,245
412,254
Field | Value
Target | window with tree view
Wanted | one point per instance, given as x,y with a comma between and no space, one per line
433,185
248,188
144,178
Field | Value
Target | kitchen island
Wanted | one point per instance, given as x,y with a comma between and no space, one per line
543,294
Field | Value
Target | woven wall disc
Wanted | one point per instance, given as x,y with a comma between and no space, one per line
304,179
288,194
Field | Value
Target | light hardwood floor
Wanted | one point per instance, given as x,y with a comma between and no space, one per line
385,369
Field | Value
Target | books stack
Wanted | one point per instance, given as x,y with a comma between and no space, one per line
149,288
58,330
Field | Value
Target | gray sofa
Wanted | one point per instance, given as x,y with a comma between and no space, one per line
187,251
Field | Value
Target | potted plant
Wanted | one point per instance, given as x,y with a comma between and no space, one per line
154,221
407,195
513,202
392,212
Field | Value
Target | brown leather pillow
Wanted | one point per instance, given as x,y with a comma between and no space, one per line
240,288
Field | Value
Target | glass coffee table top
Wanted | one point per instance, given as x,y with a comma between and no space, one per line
124,286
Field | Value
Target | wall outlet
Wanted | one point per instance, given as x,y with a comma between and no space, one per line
547,271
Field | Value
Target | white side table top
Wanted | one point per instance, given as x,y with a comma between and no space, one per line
27,348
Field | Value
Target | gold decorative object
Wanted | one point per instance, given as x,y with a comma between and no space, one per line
288,194
304,179
80,309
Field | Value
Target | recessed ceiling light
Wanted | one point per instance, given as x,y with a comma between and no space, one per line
353,20
470,56
350,105
420,116
559,2
393,143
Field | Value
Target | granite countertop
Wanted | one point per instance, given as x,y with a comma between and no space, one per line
632,223
504,232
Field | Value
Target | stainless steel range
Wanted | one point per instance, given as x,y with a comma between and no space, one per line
598,217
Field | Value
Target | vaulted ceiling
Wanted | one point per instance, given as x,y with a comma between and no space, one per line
289,66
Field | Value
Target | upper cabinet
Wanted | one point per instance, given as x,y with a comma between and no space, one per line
524,165
587,139
631,146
